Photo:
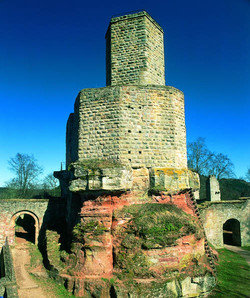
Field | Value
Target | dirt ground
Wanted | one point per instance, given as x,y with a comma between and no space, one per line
26,285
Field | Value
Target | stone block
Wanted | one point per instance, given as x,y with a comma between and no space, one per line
171,179
109,178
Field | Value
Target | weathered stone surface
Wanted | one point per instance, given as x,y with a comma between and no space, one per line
215,214
100,178
105,246
173,179
143,126
125,178
141,179
134,51
214,189
131,226
10,209
8,285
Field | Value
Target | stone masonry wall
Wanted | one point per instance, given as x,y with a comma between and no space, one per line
155,72
8,209
134,51
139,125
8,285
98,124
153,132
215,214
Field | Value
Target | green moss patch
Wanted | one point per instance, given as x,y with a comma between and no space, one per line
149,226
156,225
88,229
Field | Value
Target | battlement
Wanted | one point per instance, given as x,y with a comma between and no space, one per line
134,51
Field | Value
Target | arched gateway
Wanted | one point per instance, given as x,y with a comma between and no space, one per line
231,232
28,220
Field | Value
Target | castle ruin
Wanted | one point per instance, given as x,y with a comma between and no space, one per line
126,157
127,223
136,120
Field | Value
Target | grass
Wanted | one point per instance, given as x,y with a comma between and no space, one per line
150,226
246,247
52,288
233,276
36,258
159,225
48,285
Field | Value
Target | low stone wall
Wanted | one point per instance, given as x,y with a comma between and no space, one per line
9,210
8,285
215,214
44,212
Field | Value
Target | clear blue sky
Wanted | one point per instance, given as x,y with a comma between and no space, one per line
50,50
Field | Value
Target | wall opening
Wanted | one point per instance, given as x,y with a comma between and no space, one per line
25,228
231,232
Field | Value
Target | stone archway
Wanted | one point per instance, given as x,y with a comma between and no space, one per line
231,232
16,216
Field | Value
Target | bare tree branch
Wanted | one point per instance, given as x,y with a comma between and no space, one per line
26,172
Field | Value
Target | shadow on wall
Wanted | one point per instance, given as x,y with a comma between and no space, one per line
54,219
25,228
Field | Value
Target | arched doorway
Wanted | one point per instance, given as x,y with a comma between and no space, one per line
25,227
231,232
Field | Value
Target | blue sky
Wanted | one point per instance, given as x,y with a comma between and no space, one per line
50,50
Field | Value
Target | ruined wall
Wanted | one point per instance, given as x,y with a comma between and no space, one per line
139,125
215,214
213,189
134,51
9,208
8,285
44,212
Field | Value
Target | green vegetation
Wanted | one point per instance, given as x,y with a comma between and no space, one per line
7,193
55,255
48,285
157,225
151,226
231,189
246,247
52,288
233,276
36,258
94,228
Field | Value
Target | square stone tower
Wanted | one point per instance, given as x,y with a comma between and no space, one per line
134,51
136,120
